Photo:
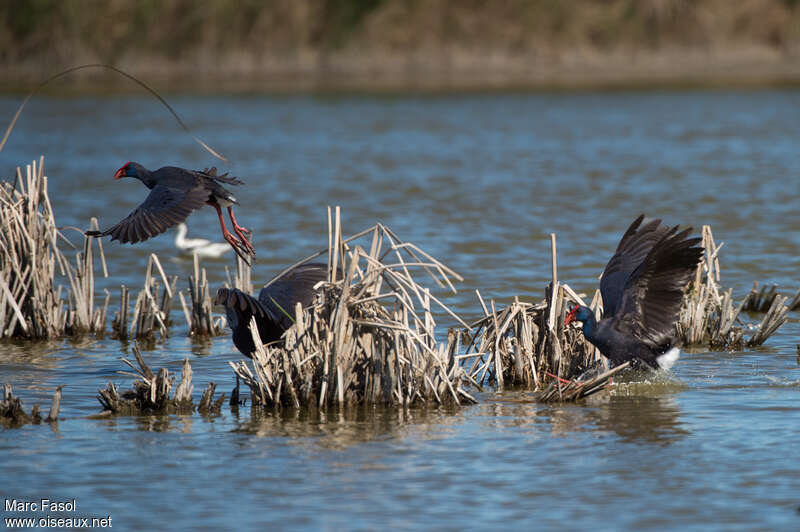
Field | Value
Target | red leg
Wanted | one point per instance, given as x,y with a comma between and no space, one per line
241,231
232,240
564,381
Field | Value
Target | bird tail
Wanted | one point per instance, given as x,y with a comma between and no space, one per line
668,359
212,173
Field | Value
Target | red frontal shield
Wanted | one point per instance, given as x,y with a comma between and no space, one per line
571,316
122,171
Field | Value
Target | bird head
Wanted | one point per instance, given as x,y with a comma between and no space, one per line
578,313
130,169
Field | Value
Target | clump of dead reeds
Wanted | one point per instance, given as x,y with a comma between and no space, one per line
151,392
200,319
370,338
151,312
526,344
709,315
762,300
31,305
13,415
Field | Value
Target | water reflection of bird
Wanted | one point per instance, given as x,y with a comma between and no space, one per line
174,194
274,308
655,419
201,247
642,288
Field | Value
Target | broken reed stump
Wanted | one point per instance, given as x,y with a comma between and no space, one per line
370,337
762,300
200,319
151,392
151,312
12,415
709,315
524,343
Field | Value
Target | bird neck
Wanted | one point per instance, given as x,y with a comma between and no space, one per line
589,326
146,176
180,237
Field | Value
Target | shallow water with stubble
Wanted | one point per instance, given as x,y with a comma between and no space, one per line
479,181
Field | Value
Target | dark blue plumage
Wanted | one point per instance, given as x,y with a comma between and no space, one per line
174,193
274,308
642,288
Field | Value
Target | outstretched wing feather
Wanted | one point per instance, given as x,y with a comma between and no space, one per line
163,208
632,250
652,300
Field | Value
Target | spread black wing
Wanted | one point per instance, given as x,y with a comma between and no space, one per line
163,208
632,250
274,310
281,295
653,294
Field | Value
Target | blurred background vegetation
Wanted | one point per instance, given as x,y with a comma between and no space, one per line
406,43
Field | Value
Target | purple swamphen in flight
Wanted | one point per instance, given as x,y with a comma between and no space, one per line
642,288
174,194
274,308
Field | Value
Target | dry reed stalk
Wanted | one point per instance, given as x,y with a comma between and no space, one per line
200,320
760,301
150,314
84,317
119,325
241,280
151,392
521,344
31,304
370,338
708,315
775,317
794,304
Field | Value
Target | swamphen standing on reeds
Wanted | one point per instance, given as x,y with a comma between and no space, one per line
274,308
642,288
174,194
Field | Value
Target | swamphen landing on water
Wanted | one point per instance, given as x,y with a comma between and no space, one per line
642,288
174,194
274,306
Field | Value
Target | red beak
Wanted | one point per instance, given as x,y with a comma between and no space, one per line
120,173
571,316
